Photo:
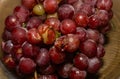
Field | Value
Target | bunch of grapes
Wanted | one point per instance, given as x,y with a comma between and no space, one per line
56,39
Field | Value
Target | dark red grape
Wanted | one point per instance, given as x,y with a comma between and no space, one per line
6,35
101,39
33,22
11,22
81,61
50,6
7,48
27,66
68,26
9,62
94,22
77,74
28,3
18,35
56,56
87,9
81,19
104,4
65,11
77,5
106,28
43,58
81,32
33,36
94,65
27,50
93,34
72,43
100,51
53,23
22,13
89,48
65,70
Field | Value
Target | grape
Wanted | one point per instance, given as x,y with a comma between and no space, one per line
6,35
87,9
101,39
93,34
28,3
81,19
89,48
68,26
100,51
81,61
18,35
11,22
43,58
53,23
65,70
33,36
50,6
65,11
56,56
38,9
77,74
7,48
22,13
91,2
77,5
104,4
94,65
27,66
71,1
33,22
82,34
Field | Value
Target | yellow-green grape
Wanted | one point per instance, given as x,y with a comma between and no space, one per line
38,9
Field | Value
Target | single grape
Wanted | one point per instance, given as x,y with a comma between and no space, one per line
104,4
100,51
43,58
94,65
50,6
89,48
81,19
33,36
18,35
68,26
22,13
29,3
6,35
27,66
53,23
77,74
65,11
33,22
11,22
38,9
56,56
81,61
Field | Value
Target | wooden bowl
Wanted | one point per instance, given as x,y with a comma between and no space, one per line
111,67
